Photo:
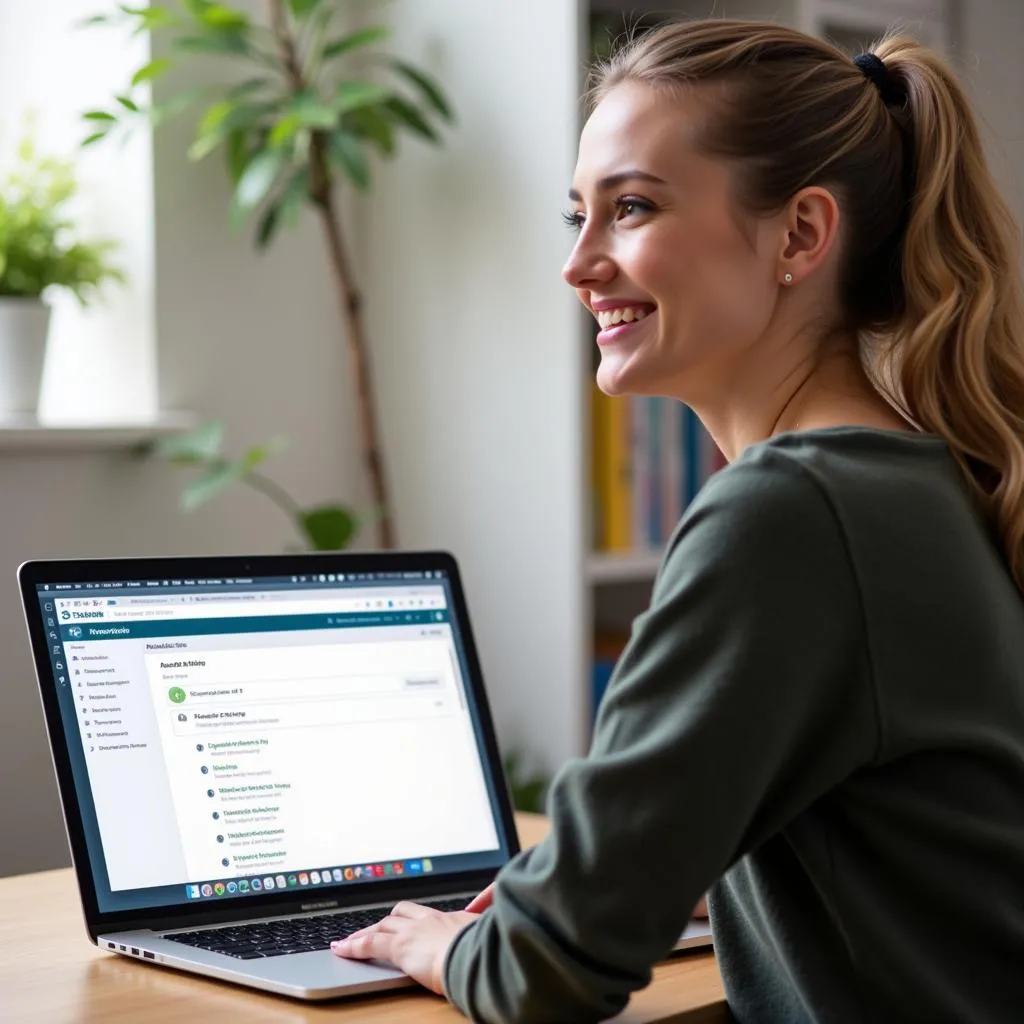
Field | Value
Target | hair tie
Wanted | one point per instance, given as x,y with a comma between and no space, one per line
874,69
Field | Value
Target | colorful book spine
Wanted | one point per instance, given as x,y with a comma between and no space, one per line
650,458
691,431
656,480
612,471
642,470
672,466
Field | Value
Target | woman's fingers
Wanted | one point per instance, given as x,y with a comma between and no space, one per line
385,924
370,944
413,910
479,903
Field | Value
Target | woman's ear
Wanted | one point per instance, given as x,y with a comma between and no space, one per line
810,228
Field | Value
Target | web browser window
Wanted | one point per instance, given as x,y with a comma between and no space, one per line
237,738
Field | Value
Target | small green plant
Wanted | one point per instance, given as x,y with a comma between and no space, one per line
321,528
529,789
38,248
303,121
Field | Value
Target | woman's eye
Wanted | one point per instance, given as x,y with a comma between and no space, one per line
573,219
629,207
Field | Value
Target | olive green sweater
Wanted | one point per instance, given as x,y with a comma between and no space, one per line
821,716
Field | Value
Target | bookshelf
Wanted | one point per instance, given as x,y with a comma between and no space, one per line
607,568
483,355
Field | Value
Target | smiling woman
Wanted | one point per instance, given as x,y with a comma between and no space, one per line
821,714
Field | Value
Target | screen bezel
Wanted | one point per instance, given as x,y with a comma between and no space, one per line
34,573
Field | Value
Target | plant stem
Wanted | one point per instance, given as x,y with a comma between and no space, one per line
349,299
276,493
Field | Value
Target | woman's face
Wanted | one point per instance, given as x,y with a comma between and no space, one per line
679,289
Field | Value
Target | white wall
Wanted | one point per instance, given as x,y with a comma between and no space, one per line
481,362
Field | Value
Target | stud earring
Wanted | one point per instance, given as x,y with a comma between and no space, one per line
788,279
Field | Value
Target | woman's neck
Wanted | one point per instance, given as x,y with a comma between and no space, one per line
835,391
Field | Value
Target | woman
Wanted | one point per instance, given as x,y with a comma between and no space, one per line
821,716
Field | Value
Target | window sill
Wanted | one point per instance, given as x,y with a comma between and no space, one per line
28,435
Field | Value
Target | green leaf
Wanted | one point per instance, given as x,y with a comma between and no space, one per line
152,70
353,95
348,154
127,103
365,37
427,86
224,18
248,86
152,18
371,123
284,131
195,7
296,193
214,117
406,114
312,113
328,528
261,452
210,131
303,8
95,19
220,42
203,147
198,445
99,115
222,118
255,183
268,226
95,137
285,211
238,152
212,483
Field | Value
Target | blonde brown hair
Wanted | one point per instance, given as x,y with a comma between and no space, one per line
931,266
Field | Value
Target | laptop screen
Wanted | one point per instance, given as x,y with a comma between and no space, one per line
233,737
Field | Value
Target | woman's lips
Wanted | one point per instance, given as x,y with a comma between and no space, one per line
617,332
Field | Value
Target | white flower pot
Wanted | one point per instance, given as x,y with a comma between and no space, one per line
23,327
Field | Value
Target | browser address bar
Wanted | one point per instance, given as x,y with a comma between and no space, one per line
231,610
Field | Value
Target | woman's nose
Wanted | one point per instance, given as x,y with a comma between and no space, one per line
587,266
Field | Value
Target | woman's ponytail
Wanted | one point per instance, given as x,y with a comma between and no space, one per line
954,362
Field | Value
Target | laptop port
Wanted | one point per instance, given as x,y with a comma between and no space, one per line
135,950
124,949
110,945
149,956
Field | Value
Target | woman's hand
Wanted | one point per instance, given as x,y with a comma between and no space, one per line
479,903
412,937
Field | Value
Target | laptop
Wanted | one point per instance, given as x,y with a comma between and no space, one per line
256,756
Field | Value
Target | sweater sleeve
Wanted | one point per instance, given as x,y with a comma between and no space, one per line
744,694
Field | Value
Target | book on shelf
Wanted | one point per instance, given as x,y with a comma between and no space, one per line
650,457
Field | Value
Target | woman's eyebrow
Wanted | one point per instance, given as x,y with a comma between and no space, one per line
613,180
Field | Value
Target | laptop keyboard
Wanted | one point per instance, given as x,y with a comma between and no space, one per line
292,935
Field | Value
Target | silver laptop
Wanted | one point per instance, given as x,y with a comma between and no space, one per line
256,756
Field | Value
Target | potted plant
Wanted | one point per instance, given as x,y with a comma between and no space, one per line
300,120
39,252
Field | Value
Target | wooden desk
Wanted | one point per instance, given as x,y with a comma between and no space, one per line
50,972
